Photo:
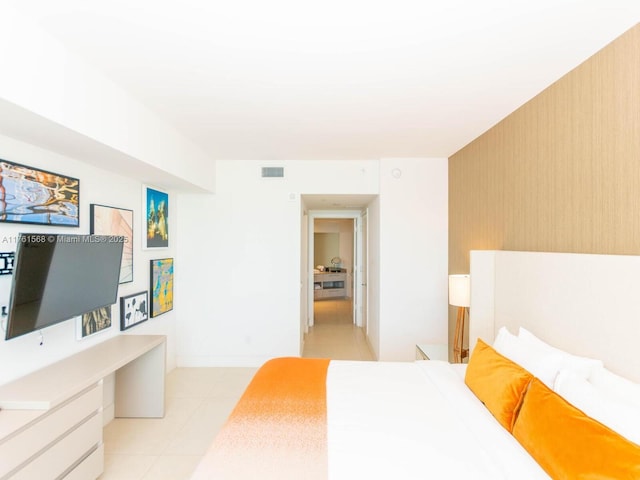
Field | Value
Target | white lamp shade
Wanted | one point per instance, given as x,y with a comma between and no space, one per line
460,290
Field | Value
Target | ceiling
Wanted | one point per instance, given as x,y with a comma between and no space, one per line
338,79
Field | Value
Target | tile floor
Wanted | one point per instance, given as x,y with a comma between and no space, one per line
334,335
200,399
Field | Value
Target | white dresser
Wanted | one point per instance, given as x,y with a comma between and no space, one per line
51,420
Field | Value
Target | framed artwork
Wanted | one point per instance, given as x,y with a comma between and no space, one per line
94,322
6,262
31,195
161,286
134,309
156,214
112,221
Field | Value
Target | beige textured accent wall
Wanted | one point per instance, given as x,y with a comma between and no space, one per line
561,173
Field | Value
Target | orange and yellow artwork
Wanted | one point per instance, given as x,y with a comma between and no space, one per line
161,286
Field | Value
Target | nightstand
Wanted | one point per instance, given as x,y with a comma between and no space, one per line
432,351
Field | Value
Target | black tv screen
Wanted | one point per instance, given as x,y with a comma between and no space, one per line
58,277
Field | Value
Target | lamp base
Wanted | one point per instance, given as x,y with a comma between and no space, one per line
460,353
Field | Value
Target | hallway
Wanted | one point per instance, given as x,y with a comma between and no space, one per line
334,335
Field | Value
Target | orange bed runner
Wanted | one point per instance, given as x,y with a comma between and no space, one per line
278,429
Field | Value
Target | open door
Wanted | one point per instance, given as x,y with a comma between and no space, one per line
360,290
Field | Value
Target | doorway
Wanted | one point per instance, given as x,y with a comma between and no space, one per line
336,325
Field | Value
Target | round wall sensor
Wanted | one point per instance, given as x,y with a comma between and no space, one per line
396,173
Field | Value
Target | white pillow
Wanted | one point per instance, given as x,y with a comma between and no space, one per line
618,416
504,338
582,366
616,387
536,360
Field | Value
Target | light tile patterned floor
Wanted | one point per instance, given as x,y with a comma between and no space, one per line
199,401
334,335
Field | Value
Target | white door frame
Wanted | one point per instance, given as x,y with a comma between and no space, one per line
361,228
356,215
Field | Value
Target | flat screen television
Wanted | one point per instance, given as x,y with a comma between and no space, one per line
58,277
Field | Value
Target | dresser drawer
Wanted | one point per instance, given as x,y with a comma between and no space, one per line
70,450
334,277
90,468
22,445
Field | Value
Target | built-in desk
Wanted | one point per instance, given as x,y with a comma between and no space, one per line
51,419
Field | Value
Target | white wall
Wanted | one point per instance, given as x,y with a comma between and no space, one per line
60,114
413,255
44,78
24,354
240,254
238,268
238,259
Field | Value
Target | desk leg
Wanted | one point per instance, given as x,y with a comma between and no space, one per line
140,389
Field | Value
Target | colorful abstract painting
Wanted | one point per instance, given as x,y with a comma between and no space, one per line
30,195
117,222
161,286
156,210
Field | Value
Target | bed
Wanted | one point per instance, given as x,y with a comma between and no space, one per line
334,420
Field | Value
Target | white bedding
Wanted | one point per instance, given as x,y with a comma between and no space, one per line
415,420
384,420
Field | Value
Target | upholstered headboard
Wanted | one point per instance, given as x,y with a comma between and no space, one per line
585,304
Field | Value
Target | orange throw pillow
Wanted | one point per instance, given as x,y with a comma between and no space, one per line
570,445
498,382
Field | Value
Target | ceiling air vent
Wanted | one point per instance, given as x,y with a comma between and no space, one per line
272,172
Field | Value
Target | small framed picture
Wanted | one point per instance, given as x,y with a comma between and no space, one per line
134,309
93,322
156,218
113,221
161,286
